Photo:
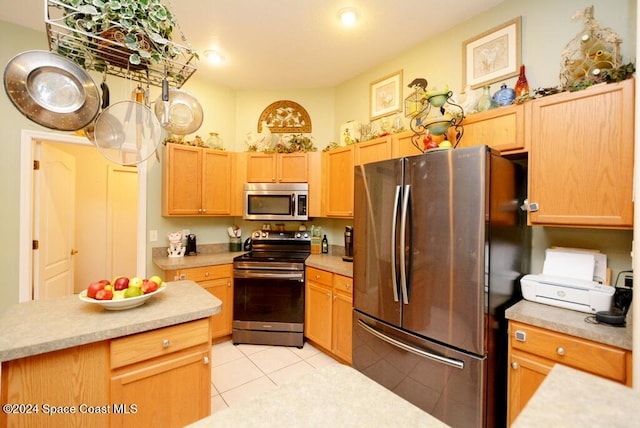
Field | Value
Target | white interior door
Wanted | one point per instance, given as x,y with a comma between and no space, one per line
122,209
54,223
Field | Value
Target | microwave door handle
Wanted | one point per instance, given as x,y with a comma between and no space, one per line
403,243
394,235
293,204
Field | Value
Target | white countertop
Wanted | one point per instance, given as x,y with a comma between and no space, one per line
572,398
332,396
40,326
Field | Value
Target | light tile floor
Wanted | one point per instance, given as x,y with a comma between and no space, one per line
240,372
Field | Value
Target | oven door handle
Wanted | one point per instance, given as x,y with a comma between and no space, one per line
268,275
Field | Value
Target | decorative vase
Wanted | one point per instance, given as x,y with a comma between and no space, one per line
522,85
504,96
485,102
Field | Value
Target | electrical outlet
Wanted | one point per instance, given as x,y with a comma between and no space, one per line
153,235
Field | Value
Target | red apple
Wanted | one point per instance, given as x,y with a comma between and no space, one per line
104,294
94,287
121,283
431,145
148,286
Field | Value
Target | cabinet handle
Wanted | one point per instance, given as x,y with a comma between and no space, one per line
206,360
206,274
317,276
203,211
165,343
273,179
560,351
329,295
280,179
514,365
228,283
335,297
348,286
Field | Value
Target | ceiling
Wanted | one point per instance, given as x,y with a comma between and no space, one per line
285,44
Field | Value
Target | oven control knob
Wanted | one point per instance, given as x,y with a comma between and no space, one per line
264,234
256,234
306,235
298,235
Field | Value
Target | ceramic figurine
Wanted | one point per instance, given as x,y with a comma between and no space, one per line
176,249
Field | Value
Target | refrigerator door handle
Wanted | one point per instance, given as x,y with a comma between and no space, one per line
394,226
403,243
417,351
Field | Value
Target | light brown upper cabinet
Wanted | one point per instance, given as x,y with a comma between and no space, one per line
277,167
501,128
581,157
197,181
337,179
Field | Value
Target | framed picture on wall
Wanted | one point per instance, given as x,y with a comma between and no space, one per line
492,56
386,96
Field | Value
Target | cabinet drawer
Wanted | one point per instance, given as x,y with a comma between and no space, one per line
343,283
317,275
582,354
206,272
143,346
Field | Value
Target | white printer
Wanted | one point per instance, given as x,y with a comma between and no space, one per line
568,281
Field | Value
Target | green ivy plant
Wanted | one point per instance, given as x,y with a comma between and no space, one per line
147,25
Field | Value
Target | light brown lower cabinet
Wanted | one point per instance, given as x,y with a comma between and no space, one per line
159,378
533,351
328,311
217,280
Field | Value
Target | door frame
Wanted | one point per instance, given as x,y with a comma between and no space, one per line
28,140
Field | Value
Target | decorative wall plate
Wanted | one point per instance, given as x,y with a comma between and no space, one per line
285,116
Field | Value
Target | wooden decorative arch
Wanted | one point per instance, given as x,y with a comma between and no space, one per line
285,116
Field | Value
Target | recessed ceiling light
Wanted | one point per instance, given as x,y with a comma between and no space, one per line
348,16
214,57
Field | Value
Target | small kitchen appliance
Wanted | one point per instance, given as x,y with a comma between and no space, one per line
192,248
348,244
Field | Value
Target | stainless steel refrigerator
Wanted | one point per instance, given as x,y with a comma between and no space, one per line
439,247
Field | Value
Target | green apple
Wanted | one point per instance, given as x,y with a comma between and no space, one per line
446,144
136,281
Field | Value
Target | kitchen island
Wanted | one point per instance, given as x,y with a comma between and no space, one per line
94,367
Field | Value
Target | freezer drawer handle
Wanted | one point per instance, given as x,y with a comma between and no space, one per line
437,358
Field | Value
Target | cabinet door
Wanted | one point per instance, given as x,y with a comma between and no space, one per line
222,322
68,377
581,157
317,318
292,168
217,182
501,128
337,175
342,326
526,373
374,150
170,391
261,168
182,181
403,145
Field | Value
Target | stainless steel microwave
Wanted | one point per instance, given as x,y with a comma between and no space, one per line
271,201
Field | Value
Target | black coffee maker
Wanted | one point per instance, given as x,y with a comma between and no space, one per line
348,244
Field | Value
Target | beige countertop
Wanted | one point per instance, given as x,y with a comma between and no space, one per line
570,322
330,263
569,397
40,326
211,255
332,396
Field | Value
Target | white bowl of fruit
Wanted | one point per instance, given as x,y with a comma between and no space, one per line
122,292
